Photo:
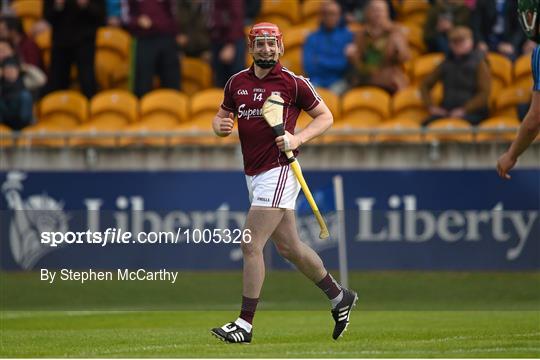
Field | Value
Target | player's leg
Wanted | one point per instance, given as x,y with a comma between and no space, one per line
289,245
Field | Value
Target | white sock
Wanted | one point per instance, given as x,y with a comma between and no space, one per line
337,299
244,324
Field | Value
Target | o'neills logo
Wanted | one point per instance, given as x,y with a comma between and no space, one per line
248,113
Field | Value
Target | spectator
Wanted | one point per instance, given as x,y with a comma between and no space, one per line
496,27
353,10
325,62
74,26
114,12
440,19
465,78
33,77
16,101
25,46
379,52
227,38
153,24
193,39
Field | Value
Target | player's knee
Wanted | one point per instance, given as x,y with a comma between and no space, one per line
251,249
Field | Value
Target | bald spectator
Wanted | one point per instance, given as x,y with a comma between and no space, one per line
325,62
379,52
465,78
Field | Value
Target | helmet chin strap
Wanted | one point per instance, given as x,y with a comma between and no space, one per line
265,64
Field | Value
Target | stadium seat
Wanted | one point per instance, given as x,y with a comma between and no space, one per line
5,132
522,71
398,125
65,108
413,11
332,101
287,9
294,37
350,124
507,100
501,70
43,41
310,9
292,60
113,53
205,104
110,111
408,104
196,75
425,65
200,125
365,103
507,126
281,21
160,110
44,129
450,124
415,39
29,11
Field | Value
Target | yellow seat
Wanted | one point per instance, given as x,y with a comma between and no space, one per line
508,99
295,37
43,41
97,133
287,9
501,70
425,65
282,22
5,134
351,124
522,71
29,11
160,110
310,8
196,75
65,108
110,110
450,124
507,125
292,60
408,104
112,63
332,101
415,39
45,128
206,103
413,11
366,103
202,124
395,127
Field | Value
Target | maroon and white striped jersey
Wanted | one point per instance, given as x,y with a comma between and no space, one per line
245,95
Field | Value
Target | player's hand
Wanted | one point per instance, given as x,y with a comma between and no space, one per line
225,125
505,163
288,142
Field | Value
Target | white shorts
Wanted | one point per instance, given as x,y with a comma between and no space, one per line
277,188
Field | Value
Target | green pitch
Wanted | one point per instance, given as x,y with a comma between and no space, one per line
398,315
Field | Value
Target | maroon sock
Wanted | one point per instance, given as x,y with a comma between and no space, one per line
329,286
249,306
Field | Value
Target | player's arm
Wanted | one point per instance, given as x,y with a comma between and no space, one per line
223,123
528,131
322,120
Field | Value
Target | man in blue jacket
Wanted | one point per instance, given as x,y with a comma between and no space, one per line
324,60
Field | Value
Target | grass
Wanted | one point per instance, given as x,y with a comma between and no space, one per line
401,314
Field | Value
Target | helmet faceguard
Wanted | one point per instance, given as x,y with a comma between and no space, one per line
529,18
265,31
